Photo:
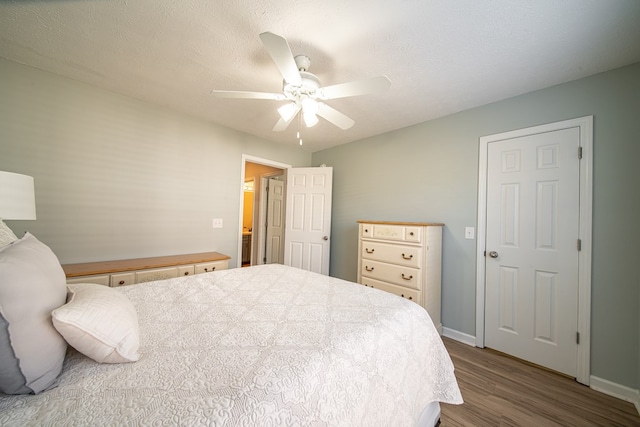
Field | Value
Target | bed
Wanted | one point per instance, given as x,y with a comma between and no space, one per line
267,345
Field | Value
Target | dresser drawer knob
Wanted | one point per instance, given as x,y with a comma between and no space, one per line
186,273
405,277
369,251
206,269
411,233
121,282
407,257
367,268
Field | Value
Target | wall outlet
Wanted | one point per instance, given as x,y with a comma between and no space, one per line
217,222
469,233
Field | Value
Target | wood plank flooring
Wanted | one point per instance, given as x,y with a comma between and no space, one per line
501,391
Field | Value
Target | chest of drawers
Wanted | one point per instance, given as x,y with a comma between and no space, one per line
403,258
130,271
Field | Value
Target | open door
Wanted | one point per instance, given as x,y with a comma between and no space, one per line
274,221
308,218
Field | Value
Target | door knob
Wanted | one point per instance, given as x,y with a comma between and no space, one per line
325,238
493,254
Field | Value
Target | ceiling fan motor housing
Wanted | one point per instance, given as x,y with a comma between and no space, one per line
307,88
303,62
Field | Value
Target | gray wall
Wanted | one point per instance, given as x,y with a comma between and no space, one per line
429,172
118,178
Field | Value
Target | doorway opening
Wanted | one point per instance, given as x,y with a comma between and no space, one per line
254,198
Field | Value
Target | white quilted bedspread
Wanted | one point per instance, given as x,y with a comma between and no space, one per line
261,346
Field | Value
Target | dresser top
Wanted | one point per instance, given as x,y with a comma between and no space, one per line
419,224
106,267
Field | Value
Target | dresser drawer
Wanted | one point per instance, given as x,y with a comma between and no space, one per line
122,279
399,275
186,270
396,233
409,294
409,256
100,280
156,274
207,267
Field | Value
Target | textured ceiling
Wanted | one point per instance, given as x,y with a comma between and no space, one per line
441,56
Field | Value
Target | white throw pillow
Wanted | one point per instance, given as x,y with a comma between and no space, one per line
6,235
99,322
32,284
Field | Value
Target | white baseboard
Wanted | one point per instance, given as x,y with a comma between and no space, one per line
459,336
616,390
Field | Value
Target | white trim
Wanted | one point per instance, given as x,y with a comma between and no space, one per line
618,391
252,159
584,256
459,336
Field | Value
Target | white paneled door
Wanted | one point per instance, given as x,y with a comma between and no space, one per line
308,218
275,223
532,231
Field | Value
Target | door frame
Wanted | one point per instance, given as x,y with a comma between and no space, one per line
251,159
585,230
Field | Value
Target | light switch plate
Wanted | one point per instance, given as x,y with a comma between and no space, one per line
469,233
217,222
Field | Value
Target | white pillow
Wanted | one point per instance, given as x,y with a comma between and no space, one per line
99,322
32,284
6,235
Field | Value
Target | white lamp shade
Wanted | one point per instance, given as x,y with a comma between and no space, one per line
17,196
310,119
287,111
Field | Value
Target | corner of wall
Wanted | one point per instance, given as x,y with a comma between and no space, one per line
618,391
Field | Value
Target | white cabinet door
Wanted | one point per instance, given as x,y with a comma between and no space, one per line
308,218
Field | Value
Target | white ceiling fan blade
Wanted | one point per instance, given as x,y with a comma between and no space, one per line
334,116
358,87
247,95
283,124
281,55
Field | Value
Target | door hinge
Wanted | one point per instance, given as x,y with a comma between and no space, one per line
577,337
579,245
579,152
485,253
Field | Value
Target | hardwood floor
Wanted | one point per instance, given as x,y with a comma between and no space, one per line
501,391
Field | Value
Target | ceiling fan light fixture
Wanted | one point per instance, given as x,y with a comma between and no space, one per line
309,106
310,119
310,111
288,110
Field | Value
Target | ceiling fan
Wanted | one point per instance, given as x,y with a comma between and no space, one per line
302,90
